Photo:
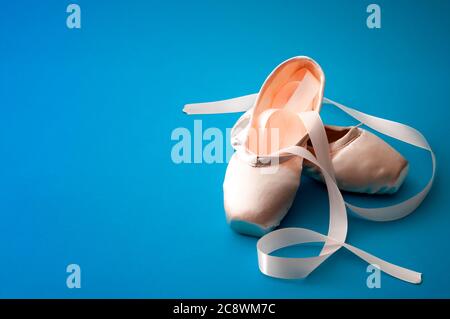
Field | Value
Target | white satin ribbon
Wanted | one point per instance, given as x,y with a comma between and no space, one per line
282,267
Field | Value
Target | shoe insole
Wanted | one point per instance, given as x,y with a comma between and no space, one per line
279,126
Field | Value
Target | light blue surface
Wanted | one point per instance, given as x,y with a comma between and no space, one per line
86,117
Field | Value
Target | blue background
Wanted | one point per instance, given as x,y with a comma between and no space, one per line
86,175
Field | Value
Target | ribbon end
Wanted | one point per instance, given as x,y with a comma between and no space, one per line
187,109
418,280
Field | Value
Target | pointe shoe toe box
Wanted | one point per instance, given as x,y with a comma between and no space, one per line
370,165
255,200
365,164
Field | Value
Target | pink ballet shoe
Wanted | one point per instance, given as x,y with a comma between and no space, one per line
258,195
362,161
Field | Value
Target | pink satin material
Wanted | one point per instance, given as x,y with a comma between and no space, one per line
256,200
362,162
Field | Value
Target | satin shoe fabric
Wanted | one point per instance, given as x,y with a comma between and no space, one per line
362,162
